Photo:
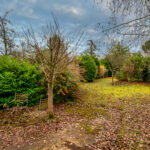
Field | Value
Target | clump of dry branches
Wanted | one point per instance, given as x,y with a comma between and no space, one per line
7,35
51,50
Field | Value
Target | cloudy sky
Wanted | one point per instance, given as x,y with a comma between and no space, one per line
72,15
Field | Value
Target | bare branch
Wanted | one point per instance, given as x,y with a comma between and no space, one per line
125,23
51,53
7,35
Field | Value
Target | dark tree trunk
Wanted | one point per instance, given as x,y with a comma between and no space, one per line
112,78
128,77
50,98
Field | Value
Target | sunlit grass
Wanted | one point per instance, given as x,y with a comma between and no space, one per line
117,91
101,94
102,90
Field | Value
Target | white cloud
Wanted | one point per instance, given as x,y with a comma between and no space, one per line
103,6
21,8
78,12
91,31
27,12
32,1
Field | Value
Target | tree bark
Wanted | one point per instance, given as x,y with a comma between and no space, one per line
128,77
112,78
50,97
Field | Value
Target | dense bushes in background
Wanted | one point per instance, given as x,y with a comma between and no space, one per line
83,62
139,64
87,62
135,68
97,62
146,70
102,71
19,77
105,63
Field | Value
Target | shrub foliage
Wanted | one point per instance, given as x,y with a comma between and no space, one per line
88,63
135,68
65,87
19,77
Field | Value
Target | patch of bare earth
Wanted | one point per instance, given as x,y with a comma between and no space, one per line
71,137
127,130
25,127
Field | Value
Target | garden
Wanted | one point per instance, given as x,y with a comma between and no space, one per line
62,90
90,111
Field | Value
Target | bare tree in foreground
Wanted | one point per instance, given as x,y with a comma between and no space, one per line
7,35
51,52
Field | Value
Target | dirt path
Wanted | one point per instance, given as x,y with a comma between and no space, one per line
105,118
71,137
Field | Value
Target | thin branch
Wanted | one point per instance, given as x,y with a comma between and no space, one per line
125,23
148,7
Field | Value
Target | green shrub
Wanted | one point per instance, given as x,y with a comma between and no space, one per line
65,87
146,70
90,67
105,62
139,64
121,76
133,68
97,62
127,71
19,77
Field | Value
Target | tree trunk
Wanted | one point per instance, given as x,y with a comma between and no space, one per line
112,78
128,77
50,97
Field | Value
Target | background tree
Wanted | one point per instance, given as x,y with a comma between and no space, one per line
146,47
115,57
135,68
139,64
102,71
97,62
146,71
7,35
128,68
106,64
88,63
92,47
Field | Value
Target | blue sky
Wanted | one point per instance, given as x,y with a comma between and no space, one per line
72,15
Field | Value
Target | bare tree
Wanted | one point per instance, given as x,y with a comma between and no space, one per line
115,57
17,54
51,52
130,20
7,35
92,47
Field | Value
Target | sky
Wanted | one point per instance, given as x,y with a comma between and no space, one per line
72,15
